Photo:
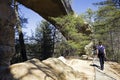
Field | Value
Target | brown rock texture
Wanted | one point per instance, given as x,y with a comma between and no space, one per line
52,69
7,21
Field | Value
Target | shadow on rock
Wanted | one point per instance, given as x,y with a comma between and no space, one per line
95,65
5,74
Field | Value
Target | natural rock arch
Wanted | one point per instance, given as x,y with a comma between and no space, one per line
47,9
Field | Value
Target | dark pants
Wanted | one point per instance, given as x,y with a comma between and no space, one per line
101,59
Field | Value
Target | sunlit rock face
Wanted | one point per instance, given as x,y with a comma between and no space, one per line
88,48
50,69
7,22
32,70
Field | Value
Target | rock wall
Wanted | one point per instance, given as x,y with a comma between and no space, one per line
88,48
7,22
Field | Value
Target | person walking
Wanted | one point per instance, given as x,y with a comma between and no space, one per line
101,53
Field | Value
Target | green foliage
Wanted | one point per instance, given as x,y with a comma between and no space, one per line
89,16
108,15
47,41
107,27
107,18
75,31
41,45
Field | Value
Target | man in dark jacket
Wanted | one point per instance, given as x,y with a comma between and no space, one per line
101,54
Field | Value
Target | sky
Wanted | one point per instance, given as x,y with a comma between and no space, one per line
34,19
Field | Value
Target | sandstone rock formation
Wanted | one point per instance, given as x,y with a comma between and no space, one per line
7,22
50,69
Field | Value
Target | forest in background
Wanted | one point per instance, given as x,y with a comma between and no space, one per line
75,32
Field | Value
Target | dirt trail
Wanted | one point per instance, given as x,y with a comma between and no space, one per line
83,66
109,73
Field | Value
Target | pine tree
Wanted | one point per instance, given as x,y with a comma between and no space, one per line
107,27
45,30
76,32
21,36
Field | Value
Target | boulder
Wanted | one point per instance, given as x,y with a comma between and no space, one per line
85,57
50,69
32,70
63,71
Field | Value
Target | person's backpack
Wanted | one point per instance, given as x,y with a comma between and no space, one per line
101,50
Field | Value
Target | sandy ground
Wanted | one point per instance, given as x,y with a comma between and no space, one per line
83,66
63,69
110,72
113,69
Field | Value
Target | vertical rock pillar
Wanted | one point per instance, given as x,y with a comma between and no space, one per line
7,22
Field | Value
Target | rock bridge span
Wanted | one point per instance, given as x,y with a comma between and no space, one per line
45,8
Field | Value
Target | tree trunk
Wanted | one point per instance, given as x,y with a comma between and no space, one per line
21,37
112,46
7,22
22,46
